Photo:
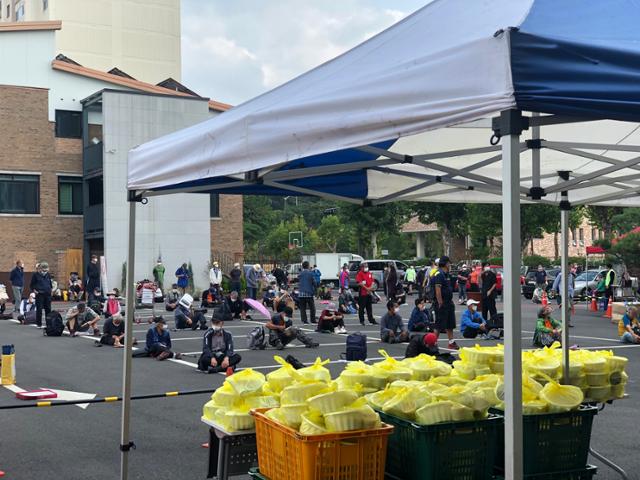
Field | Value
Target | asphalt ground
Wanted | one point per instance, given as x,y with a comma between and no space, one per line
75,443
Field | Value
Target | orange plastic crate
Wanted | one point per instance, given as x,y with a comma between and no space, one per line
285,454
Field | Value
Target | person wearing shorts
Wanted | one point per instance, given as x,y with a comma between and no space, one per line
445,309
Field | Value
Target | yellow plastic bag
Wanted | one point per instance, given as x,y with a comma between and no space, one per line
299,392
281,377
561,398
357,416
246,382
437,412
209,410
235,418
361,373
392,368
225,396
312,423
316,372
332,401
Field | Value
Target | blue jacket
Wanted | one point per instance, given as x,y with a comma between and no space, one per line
42,283
154,337
307,282
418,316
16,277
183,281
317,275
469,321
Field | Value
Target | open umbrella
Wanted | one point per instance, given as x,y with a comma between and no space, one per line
258,307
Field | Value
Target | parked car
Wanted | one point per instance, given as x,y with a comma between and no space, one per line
587,281
376,267
293,271
530,281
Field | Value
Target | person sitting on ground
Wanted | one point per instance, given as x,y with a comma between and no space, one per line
629,327
346,302
113,332
28,310
111,306
217,350
186,317
548,330
472,323
173,297
331,320
158,343
81,318
269,295
75,287
282,331
283,300
233,307
427,343
212,296
97,300
392,329
420,318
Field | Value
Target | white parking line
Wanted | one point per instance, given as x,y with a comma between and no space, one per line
586,338
261,367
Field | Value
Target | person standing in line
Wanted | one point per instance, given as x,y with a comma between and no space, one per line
235,276
343,277
317,277
281,276
391,280
364,279
609,282
253,280
41,285
410,277
182,274
215,276
93,278
158,275
541,278
445,309
421,280
489,282
463,278
16,277
474,278
307,288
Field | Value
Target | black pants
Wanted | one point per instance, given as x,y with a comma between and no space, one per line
156,349
365,303
198,320
489,305
204,362
304,303
42,302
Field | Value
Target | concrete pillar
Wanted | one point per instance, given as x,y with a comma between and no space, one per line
420,244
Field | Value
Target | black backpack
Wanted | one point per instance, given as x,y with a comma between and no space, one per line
356,347
54,325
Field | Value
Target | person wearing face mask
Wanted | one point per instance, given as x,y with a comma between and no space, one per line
365,300
471,322
158,343
489,283
548,329
392,329
93,279
445,309
420,317
282,331
217,350
41,285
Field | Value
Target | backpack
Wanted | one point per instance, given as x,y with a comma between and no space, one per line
256,339
54,324
356,347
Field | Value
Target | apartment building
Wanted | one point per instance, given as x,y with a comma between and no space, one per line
140,37
66,131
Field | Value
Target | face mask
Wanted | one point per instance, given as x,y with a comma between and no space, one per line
216,328
396,310
486,269
366,269
474,308
286,319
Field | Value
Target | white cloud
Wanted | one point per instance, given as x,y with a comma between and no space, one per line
233,51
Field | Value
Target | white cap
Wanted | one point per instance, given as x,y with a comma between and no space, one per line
472,302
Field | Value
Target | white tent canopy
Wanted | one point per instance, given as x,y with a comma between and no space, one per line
393,119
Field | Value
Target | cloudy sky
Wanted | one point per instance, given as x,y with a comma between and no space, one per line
233,50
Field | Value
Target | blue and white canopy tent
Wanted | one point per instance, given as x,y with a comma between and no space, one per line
455,103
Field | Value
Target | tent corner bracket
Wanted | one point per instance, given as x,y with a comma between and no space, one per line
536,193
127,447
134,196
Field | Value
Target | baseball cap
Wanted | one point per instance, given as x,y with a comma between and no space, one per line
430,339
472,302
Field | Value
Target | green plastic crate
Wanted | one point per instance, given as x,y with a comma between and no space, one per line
255,473
584,474
452,451
553,440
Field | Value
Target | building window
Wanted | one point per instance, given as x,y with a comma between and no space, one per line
19,194
95,191
9,11
594,234
20,13
68,124
214,205
70,195
45,4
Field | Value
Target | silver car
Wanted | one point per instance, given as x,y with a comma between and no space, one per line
376,267
587,281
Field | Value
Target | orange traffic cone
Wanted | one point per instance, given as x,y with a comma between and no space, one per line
594,304
544,301
608,312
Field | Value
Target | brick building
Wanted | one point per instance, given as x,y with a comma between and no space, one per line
579,238
62,163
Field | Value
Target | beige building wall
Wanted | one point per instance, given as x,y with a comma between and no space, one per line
579,239
140,37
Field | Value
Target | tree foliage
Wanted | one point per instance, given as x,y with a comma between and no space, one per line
626,221
450,218
602,217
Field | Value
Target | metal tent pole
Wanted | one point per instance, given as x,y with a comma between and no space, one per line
510,129
565,207
125,442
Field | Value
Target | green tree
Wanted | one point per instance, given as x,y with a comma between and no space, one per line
576,215
626,221
259,218
627,249
484,223
535,220
450,218
602,217
330,231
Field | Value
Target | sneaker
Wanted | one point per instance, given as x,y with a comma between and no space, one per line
373,323
454,346
177,356
312,345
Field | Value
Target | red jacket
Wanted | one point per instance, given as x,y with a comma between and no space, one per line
367,278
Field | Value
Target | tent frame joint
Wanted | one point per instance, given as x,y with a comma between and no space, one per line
536,193
135,196
510,122
534,143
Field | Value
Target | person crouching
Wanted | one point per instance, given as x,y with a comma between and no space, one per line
331,320
81,318
217,350
158,344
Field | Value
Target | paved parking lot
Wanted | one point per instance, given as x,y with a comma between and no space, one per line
72,442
